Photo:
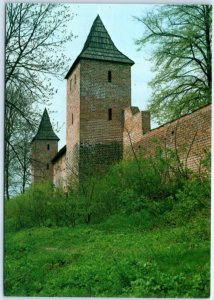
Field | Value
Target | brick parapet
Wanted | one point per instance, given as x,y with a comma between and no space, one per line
189,135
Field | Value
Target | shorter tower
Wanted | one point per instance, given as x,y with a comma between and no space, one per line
44,148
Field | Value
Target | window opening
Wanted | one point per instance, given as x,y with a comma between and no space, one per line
75,78
109,76
47,166
48,147
70,85
109,114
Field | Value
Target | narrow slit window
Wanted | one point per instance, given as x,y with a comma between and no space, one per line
70,85
109,114
47,166
72,118
75,79
109,76
48,146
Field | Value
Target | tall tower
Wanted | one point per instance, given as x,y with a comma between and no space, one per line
44,148
98,91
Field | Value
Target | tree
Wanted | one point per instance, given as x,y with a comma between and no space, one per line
180,38
34,42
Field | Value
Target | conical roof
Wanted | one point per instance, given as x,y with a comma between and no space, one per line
100,46
45,130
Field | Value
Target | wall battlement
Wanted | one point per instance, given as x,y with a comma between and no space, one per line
136,124
189,136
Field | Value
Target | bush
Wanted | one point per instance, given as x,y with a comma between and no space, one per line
194,199
150,187
41,205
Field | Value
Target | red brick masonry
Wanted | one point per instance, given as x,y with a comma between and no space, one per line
189,135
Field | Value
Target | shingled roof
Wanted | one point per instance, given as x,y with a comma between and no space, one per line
45,130
100,46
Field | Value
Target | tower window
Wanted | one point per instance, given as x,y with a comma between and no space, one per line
109,114
47,166
109,76
75,79
72,118
48,146
70,85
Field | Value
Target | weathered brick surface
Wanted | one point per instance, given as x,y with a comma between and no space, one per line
90,95
59,172
136,123
98,96
96,158
42,168
73,115
189,135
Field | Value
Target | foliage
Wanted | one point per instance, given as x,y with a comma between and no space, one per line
93,261
147,188
180,37
35,34
191,201
113,235
34,39
40,206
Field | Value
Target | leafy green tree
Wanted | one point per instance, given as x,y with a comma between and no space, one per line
35,34
180,38
34,42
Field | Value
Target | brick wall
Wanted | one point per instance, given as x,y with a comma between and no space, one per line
189,135
136,123
98,95
73,116
59,172
96,158
42,154
95,116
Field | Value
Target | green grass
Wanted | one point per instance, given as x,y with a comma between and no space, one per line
129,233
113,258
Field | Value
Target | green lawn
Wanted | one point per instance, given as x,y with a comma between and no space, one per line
109,259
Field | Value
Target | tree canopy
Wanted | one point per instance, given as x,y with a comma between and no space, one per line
35,34
34,52
180,38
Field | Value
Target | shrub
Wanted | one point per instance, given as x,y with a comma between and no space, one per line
151,187
41,205
192,200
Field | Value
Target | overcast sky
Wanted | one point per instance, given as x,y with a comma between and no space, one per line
124,30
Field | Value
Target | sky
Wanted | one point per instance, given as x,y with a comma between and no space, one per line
124,30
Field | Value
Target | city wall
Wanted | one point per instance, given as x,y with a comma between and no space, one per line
189,136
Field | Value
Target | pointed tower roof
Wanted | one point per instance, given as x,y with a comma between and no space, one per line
100,46
45,130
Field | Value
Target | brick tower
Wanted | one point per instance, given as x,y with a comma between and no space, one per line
98,91
44,148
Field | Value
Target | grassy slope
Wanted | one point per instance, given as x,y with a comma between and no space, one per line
114,258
